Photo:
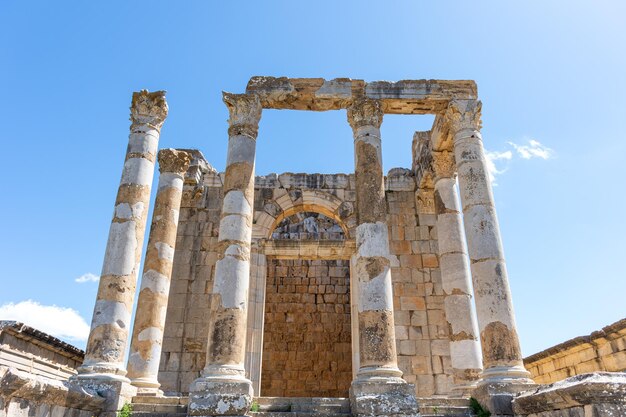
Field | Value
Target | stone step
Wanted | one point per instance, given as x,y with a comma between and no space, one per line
319,405
160,400
156,414
296,414
145,406
445,407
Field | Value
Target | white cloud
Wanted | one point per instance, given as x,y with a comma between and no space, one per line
497,162
61,322
491,158
534,149
88,277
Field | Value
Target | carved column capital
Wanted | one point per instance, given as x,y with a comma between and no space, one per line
365,112
464,114
172,160
148,109
443,164
245,113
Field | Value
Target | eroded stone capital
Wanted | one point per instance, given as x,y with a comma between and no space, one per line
443,164
245,113
172,160
365,112
464,114
148,109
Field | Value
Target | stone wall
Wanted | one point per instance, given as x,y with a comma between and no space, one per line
306,343
421,329
27,349
185,335
25,394
604,350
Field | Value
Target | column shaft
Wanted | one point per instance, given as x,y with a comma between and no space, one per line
502,357
372,260
223,388
455,277
378,388
108,338
147,339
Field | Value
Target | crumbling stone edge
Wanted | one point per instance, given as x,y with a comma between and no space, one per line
41,395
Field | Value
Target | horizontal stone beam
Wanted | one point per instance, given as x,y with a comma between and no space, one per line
298,249
400,97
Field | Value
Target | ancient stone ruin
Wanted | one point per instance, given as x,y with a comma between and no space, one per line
317,294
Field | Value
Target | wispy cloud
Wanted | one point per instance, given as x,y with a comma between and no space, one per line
491,158
534,149
497,162
88,277
62,322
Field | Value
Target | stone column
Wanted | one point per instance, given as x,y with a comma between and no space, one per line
108,338
455,276
147,339
502,357
379,388
223,388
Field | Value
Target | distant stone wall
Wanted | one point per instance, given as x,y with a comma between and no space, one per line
306,342
30,350
604,350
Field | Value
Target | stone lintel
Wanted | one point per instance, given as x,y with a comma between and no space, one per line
578,391
400,97
297,249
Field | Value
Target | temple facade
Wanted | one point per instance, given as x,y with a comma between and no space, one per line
360,293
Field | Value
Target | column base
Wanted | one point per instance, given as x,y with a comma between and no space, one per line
498,387
147,387
220,396
465,390
116,390
382,397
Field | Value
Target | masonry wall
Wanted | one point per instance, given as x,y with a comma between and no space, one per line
185,334
421,330
306,343
604,350
27,349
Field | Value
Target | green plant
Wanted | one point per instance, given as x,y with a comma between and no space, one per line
478,409
126,411
436,410
255,407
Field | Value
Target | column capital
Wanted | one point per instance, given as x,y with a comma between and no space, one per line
245,112
464,114
148,109
365,112
443,164
172,160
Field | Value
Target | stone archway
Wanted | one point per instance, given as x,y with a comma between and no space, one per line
307,327
299,332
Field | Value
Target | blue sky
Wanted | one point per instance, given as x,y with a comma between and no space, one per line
550,72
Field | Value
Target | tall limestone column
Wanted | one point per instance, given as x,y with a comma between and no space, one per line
108,338
378,388
504,370
147,339
455,276
223,388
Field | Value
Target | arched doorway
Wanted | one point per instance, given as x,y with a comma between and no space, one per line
307,327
